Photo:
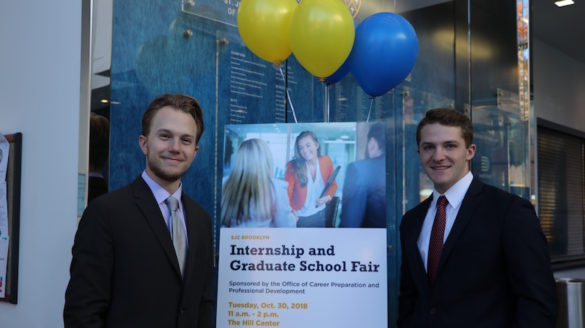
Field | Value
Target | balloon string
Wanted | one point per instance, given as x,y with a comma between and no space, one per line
288,96
370,110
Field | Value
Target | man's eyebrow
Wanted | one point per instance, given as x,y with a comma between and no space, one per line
171,132
439,143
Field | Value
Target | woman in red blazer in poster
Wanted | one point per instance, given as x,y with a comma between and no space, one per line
307,174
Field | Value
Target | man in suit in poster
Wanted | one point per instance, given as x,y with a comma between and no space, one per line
126,270
491,267
364,191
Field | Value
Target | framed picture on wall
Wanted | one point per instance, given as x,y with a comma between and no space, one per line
10,174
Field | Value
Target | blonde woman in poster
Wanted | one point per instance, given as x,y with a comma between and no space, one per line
251,197
307,175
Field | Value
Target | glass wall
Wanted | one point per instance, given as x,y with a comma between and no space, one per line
470,58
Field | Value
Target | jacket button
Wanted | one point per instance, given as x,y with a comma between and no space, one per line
433,311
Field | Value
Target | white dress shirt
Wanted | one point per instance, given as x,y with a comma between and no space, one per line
314,190
160,194
454,196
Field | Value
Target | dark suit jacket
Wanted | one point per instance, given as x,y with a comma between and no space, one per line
364,194
494,270
124,271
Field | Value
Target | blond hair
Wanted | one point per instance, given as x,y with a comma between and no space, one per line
249,189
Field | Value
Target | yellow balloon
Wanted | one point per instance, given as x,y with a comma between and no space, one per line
321,35
264,27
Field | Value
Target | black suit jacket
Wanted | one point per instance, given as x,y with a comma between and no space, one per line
364,194
494,270
124,271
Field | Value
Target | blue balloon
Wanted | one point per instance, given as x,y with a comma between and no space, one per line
384,52
343,69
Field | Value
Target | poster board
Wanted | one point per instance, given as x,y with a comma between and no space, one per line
12,180
289,271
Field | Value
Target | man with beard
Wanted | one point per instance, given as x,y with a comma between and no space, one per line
142,255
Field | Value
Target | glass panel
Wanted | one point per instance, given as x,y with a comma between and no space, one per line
193,47
500,107
225,11
222,11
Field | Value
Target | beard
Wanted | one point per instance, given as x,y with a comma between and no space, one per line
165,175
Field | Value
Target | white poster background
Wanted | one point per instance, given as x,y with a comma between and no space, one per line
353,296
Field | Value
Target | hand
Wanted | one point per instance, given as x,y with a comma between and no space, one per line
323,200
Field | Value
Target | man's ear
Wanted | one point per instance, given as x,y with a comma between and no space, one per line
196,150
470,152
142,143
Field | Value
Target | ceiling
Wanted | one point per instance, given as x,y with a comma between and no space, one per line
562,28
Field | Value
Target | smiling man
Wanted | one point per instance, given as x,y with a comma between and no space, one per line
472,255
142,255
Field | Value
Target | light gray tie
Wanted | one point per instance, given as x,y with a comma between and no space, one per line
177,231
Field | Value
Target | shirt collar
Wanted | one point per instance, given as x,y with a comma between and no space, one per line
160,194
457,191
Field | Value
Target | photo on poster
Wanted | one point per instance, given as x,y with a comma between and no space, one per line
304,175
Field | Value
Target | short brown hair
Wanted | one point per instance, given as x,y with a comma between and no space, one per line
180,102
447,117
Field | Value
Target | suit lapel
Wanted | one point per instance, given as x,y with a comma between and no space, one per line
190,223
468,206
151,211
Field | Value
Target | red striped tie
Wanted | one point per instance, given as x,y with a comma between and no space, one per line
437,235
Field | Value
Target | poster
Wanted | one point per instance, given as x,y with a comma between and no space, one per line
4,237
303,237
